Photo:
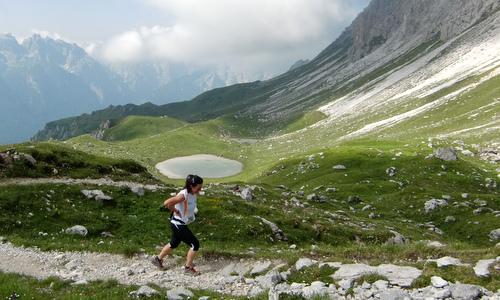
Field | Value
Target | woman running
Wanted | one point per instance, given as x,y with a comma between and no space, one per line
182,207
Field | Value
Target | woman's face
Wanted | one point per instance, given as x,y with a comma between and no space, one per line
196,188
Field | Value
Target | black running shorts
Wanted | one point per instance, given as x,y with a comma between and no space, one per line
181,233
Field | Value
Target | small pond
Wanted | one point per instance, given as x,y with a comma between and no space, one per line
204,165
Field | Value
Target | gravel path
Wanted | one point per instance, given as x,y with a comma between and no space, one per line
227,276
65,180
87,266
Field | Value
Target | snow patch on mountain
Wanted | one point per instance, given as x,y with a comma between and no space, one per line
472,53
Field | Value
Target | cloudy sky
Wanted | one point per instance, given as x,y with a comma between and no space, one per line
255,35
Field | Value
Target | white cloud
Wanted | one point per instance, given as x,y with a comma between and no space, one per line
124,47
248,33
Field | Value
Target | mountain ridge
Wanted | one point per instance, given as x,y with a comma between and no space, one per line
362,53
43,79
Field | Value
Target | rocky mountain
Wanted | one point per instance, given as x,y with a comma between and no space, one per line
299,63
43,79
391,45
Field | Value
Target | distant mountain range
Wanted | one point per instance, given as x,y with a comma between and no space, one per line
43,79
384,67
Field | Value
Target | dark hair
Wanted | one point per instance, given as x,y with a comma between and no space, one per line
192,180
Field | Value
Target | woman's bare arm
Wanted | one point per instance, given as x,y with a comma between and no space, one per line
172,201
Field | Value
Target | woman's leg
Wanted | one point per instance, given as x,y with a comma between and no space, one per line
174,241
165,251
190,257
194,244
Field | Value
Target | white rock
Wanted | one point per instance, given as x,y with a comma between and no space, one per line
397,239
304,263
278,233
79,282
446,154
269,279
77,229
482,267
316,289
144,291
397,275
346,283
260,267
448,261
334,265
433,204
391,171
467,153
179,293
438,282
435,244
495,234
449,219
96,194
381,285
465,291
138,190
394,295
246,194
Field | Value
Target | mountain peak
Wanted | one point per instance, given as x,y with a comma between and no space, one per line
10,48
409,22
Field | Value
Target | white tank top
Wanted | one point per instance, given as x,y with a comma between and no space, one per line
186,208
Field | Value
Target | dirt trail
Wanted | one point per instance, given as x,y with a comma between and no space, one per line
65,180
216,275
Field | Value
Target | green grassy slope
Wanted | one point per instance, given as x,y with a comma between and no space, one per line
234,100
399,201
477,109
70,163
342,230
141,126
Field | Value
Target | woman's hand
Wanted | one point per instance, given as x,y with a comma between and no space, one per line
171,202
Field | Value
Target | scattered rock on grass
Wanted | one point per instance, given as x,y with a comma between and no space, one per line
495,234
96,194
179,293
438,282
391,171
481,269
339,167
432,204
278,233
446,153
303,263
144,291
77,229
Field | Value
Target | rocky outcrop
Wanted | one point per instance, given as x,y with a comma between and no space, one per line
10,156
99,132
277,232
